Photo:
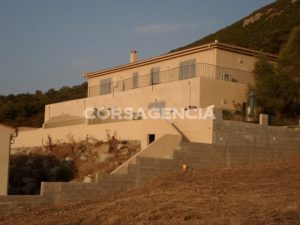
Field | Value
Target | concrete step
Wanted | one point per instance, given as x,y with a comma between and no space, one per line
111,178
22,199
152,162
195,147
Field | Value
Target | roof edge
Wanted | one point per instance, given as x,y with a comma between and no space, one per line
213,45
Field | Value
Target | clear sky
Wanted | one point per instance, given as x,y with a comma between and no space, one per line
49,43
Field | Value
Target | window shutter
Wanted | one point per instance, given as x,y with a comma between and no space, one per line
135,80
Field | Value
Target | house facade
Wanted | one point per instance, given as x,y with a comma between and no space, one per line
196,78
213,74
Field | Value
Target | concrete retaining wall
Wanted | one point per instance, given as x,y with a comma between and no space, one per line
195,155
240,133
235,144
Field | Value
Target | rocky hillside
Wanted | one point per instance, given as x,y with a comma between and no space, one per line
266,29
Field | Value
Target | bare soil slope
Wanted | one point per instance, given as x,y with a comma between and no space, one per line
268,194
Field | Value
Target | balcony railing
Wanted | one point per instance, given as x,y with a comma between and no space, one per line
180,73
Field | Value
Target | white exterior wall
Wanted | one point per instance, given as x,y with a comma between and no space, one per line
126,130
195,130
5,133
235,60
176,94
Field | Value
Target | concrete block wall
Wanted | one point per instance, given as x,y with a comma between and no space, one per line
194,155
147,168
199,156
138,174
10,202
62,192
240,133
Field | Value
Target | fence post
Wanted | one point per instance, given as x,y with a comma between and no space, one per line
263,119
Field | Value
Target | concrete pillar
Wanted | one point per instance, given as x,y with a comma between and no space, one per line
5,133
263,119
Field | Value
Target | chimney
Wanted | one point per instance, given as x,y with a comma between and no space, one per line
133,56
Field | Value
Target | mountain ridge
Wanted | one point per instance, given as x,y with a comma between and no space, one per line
266,29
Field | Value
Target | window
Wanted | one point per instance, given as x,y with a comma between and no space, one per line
105,86
135,80
155,73
187,69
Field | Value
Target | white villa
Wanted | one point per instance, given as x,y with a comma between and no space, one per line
212,74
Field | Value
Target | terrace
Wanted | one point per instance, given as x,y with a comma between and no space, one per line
179,73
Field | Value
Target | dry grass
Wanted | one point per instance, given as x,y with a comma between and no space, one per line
86,148
66,161
268,194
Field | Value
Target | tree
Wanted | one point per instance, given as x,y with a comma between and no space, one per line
289,66
267,87
28,109
289,57
278,86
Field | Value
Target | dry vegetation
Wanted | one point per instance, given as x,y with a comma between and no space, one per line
80,160
268,194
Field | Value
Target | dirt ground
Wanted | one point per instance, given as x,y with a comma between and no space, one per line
268,194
